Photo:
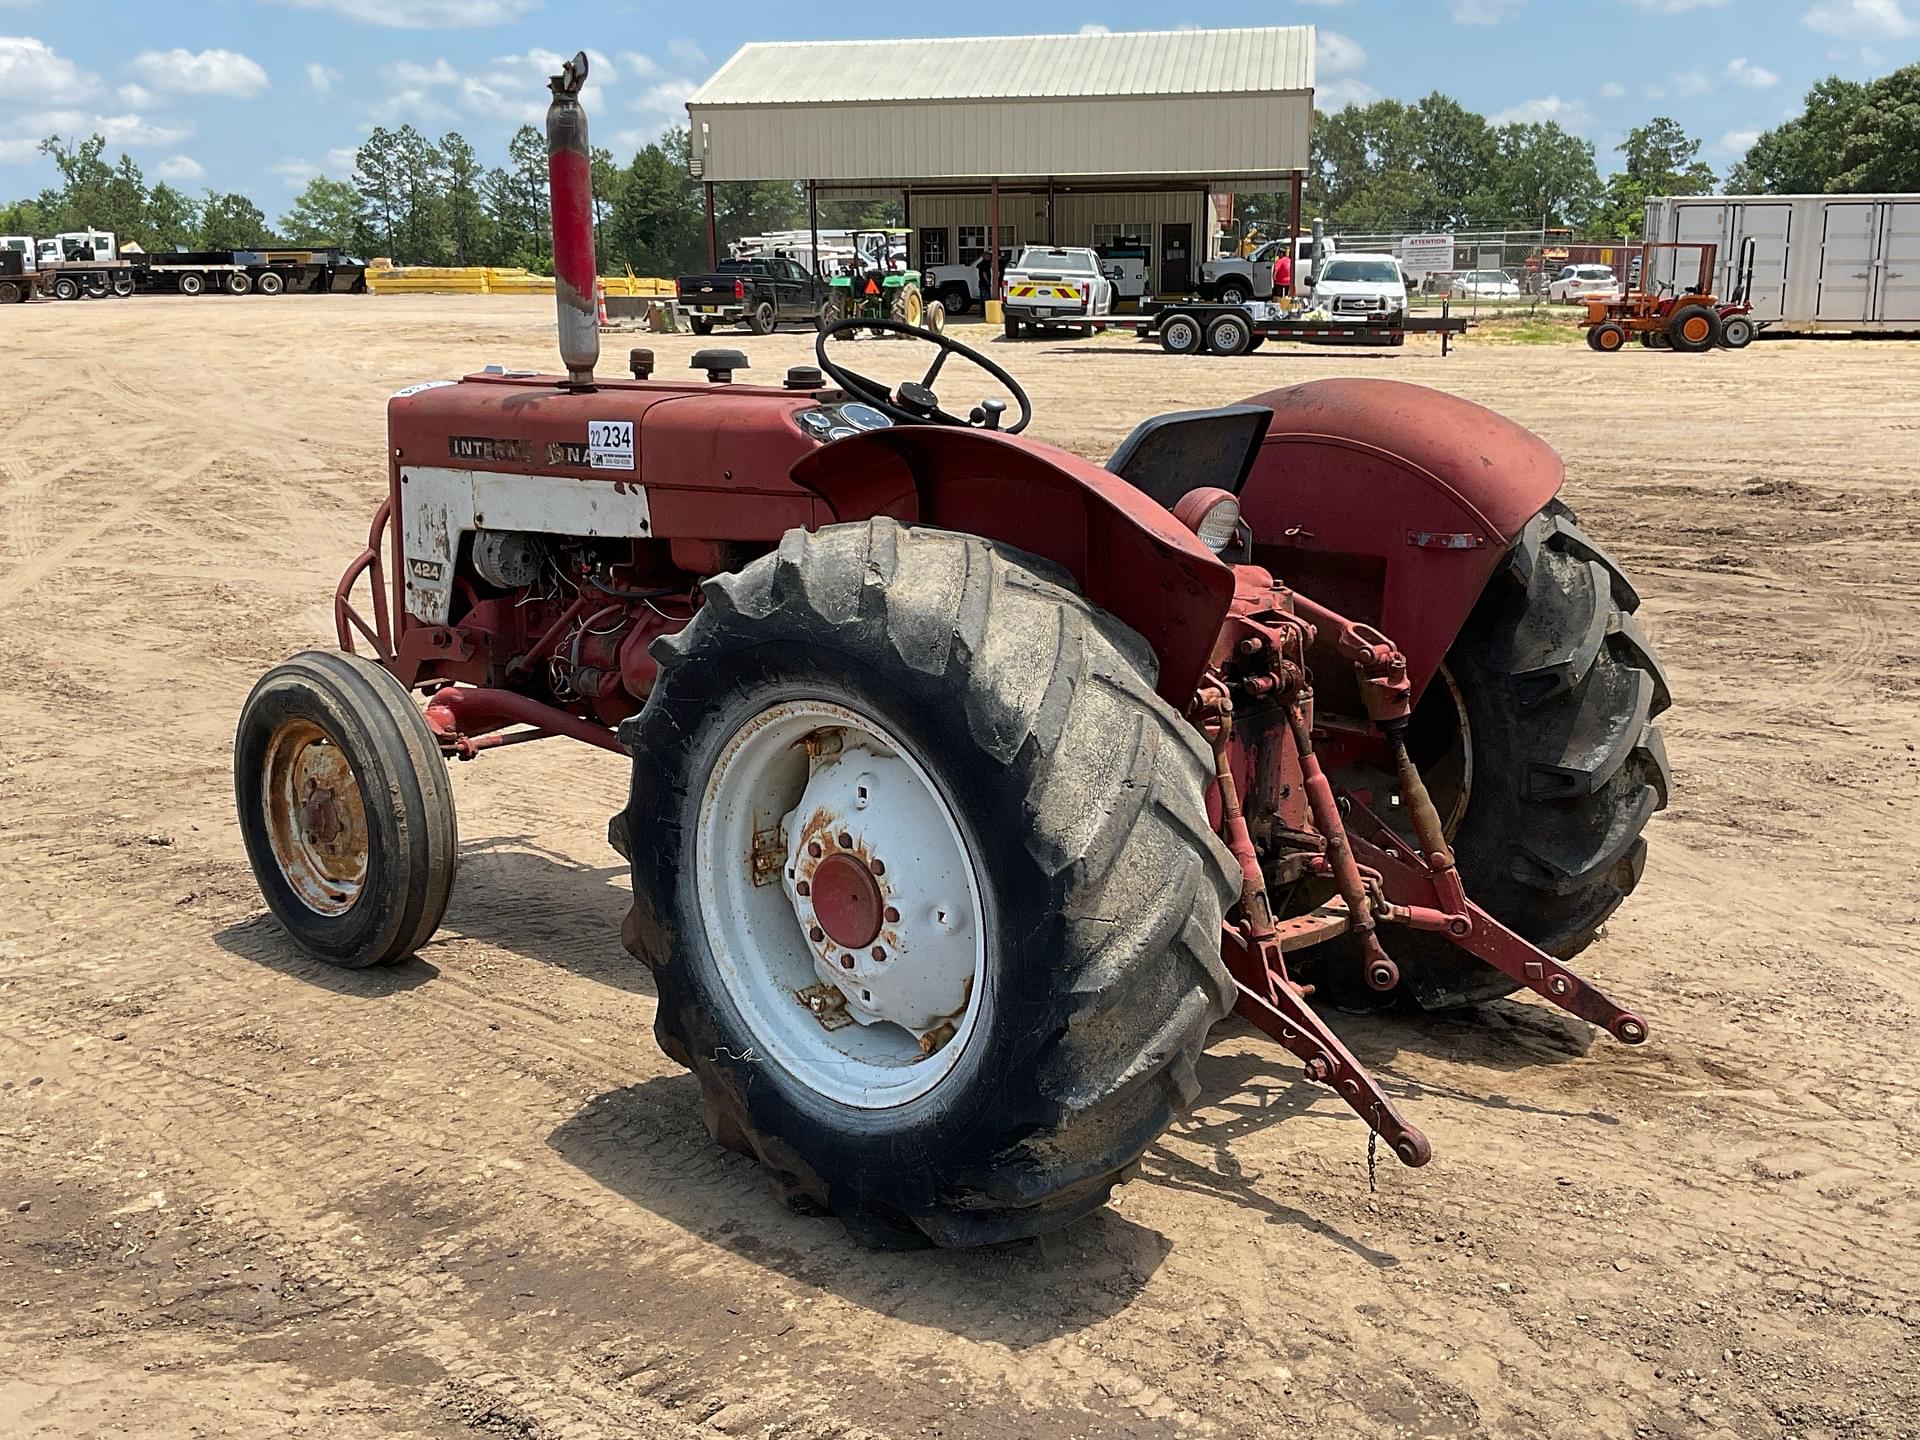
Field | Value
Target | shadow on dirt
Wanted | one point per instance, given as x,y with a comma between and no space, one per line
646,1143
261,940
548,907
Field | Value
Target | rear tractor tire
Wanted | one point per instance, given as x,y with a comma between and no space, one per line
346,809
931,903
1538,744
907,307
1694,329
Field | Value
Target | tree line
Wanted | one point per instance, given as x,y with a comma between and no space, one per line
1431,164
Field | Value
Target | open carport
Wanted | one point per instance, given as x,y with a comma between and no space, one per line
1044,139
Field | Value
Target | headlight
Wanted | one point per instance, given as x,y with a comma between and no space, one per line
1212,514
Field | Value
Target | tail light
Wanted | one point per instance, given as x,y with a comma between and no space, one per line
679,287
739,289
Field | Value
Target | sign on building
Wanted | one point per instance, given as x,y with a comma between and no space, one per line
1426,254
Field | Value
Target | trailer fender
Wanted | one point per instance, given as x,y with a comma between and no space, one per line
1126,553
1393,503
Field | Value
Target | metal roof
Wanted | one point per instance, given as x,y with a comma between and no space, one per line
1253,61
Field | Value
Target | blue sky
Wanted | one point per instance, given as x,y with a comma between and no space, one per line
259,95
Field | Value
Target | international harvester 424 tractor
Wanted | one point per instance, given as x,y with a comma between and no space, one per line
973,783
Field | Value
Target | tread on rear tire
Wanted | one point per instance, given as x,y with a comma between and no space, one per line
1082,796
1561,690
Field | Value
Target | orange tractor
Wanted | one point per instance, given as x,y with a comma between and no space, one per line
1664,317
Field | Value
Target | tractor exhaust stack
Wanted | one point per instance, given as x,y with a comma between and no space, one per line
570,177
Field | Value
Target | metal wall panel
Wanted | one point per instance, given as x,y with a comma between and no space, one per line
1219,136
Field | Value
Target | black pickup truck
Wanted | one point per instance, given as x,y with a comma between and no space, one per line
756,293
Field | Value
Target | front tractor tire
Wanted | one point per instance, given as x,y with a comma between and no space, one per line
346,809
923,872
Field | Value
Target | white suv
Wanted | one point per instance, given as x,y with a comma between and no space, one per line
1576,284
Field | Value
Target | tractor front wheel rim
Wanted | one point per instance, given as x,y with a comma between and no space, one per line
316,817
842,904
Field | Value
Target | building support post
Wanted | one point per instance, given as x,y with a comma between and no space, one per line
813,227
713,239
1050,237
1293,236
993,238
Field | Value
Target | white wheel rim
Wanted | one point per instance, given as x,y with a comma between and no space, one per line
814,820
1180,334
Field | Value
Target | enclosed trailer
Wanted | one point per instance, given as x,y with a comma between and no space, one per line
1821,263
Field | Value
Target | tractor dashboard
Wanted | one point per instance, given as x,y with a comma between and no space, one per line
839,422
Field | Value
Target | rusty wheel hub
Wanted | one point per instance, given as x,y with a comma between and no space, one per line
316,819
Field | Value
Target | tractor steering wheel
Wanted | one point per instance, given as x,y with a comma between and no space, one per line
914,402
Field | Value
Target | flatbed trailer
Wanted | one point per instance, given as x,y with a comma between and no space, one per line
199,272
1194,327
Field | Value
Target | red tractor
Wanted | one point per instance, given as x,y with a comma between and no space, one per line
972,783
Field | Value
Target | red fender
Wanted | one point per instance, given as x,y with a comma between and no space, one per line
1393,503
1128,554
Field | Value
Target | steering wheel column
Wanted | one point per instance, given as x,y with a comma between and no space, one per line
915,402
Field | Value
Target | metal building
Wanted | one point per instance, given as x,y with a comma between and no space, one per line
1039,139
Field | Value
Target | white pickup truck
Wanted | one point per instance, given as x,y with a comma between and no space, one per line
1234,280
1049,282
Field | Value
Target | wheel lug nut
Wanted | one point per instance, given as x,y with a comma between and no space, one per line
893,916
803,888
880,952
816,934
846,962
846,841
877,865
813,849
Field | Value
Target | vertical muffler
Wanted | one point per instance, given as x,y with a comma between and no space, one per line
570,181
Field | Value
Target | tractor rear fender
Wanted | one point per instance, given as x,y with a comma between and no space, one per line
1393,503
1128,555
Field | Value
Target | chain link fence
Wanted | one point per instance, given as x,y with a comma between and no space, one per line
1472,271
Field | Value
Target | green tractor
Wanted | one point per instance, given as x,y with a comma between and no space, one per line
877,285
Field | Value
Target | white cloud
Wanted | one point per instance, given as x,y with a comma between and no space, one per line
208,72
19,152
340,158
669,97
1337,54
18,4
1683,84
1092,27
1612,90
322,78
180,167
1342,91
1753,77
295,172
1568,114
138,130
637,65
1866,19
410,74
138,96
1676,7
1736,142
1483,12
31,71
423,14
687,53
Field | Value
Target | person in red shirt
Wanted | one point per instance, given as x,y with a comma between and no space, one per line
1283,275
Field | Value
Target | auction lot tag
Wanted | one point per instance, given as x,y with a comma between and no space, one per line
610,444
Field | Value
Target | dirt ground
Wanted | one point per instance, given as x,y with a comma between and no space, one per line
242,1194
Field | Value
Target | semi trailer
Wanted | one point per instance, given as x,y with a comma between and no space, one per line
92,264
1839,264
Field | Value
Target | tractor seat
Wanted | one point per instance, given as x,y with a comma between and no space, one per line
1170,455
